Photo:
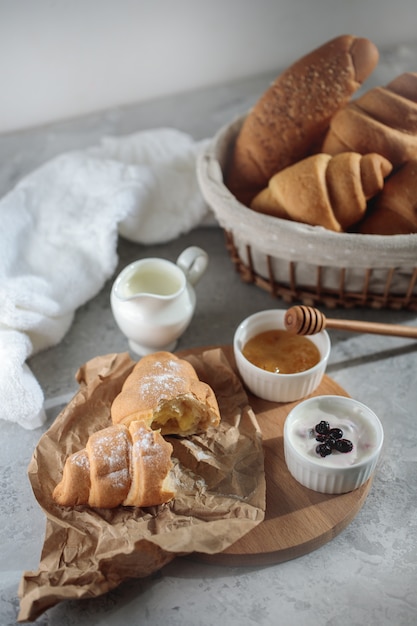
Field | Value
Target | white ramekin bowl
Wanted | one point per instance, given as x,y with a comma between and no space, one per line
339,472
269,385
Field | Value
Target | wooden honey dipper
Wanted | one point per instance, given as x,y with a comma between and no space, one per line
306,320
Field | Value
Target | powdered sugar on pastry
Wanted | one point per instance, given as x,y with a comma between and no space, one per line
120,465
165,391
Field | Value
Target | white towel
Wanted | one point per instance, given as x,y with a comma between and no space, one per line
58,236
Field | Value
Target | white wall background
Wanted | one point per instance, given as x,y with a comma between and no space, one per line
62,58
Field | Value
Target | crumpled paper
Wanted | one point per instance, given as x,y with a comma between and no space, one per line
220,481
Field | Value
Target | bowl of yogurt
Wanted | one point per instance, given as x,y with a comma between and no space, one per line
332,443
276,365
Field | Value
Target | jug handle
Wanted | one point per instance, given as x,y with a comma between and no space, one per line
193,261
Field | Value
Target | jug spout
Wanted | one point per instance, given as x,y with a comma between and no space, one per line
143,305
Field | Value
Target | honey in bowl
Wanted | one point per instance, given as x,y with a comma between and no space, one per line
281,352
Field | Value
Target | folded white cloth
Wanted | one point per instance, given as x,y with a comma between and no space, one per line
58,239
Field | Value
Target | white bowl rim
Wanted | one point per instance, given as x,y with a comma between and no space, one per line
317,465
273,376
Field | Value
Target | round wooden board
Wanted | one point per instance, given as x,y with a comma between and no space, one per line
297,520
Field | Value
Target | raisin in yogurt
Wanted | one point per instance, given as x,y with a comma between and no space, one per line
337,471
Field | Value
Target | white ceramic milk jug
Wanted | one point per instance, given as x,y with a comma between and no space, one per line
153,299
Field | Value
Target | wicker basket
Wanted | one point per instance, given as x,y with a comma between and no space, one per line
309,264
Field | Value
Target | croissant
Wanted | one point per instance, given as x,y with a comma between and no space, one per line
120,465
325,191
165,392
394,211
291,118
383,120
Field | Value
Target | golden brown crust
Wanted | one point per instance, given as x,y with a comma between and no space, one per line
165,391
108,451
120,465
299,192
325,191
289,121
151,465
395,210
74,487
352,180
383,120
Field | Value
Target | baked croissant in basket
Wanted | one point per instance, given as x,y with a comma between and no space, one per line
394,211
291,118
165,391
383,120
322,190
120,465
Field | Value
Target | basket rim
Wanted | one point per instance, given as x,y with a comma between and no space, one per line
292,241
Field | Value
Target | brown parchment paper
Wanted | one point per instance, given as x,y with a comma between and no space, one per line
220,491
